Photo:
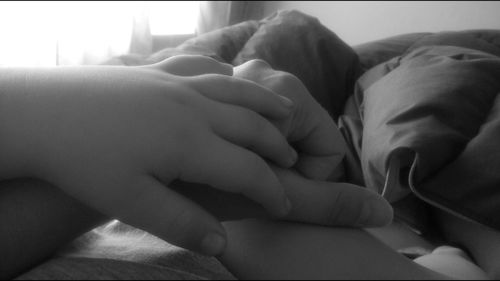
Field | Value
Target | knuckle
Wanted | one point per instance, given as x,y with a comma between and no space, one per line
334,212
225,83
263,130
206,60
287,78
215,77
258,63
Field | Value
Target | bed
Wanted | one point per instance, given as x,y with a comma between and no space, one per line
421,114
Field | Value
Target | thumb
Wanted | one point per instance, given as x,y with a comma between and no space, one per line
333,204
193,65
255,70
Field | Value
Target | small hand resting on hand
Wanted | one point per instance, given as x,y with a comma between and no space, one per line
321,148
116,137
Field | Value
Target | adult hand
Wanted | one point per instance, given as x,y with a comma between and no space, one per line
315,202
320,144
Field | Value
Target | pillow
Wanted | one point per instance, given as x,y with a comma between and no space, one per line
431,123
299,44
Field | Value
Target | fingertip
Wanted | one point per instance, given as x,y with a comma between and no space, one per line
377,212
288,159
228,69
283,211
213,244
294,156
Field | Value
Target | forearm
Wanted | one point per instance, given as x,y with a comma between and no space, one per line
37,219
34,109
278,250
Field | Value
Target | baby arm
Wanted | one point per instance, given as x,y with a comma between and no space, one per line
37,219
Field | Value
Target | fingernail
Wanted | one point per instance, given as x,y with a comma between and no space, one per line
286,101
294,156
283,210
229,68
213,244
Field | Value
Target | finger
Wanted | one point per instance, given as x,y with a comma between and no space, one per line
244,93
333,204
231,168
254,70
323,138
320,167
147,204
225,206
250,130
193,65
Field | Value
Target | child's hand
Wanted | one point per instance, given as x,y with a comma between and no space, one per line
320,143
113,137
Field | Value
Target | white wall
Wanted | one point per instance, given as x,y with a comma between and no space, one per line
361,21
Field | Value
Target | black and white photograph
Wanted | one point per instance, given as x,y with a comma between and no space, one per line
249,140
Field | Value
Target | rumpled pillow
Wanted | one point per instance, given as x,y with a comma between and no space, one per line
431,118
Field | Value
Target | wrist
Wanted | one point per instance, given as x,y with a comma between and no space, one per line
17,144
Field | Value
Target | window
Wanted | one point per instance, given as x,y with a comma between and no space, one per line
173,17
47,33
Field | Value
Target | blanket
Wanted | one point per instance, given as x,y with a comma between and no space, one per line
430,122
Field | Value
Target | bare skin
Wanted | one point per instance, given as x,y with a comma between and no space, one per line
259,249
60,166
256,248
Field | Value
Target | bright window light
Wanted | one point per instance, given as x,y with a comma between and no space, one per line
45,33
173,17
